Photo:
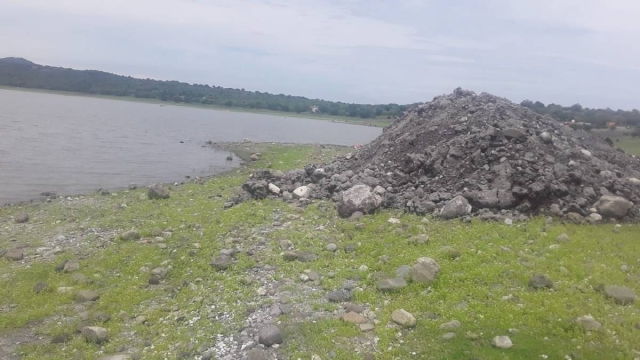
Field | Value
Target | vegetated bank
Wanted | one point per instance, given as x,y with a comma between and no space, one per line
124,276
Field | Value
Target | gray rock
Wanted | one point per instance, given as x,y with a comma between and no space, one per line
555,210
367,327
270,335
588,323
358,198
274,189
451,325
562,238
425,271
546,137
621,294
95,334
14,254
513,133
21,218
130,235
87,295
307,256
258,354
595,217
71,266
339,296
403,271
157,191
221,262
540,281
456,207
388,285
40,287
613,206
302,192
502,342
332,247
403,318
290,255
448,336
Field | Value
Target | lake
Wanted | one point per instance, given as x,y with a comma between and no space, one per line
73,144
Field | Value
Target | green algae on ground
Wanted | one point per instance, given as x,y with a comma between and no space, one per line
485,268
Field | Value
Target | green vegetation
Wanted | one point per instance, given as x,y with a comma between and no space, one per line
21,73
596,117
485,268
626,139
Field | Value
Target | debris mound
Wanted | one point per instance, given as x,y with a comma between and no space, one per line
466,154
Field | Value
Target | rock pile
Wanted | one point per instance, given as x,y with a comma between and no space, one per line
463,154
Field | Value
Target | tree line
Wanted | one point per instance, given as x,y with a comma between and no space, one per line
598,118
17,72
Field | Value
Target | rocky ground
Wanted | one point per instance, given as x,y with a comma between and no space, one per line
464,155
189,276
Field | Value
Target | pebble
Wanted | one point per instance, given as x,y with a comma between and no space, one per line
502,342
367,327
540,281
403,318
332,247
451,325
563,238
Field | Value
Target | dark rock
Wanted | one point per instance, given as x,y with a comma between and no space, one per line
540,281
621,294
95,334
157,191
270,335
339,296
40,287
221,262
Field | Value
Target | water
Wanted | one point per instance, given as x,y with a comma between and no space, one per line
72,145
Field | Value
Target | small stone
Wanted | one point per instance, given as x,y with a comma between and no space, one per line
367,327
451,325
403,318
15,254
393,221
95,334
588,323
130,235
40,287
154,280
622,295
71,266
624,268
353,317
508,221
540,281
403,271
562,238
221,262
448,336
363,268
307,256
388,285
270,335
290,256
595,217
157,191
419,239
339,296
21,218
332,247
87,295
502,342
425,271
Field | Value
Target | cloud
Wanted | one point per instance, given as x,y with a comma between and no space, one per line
350,50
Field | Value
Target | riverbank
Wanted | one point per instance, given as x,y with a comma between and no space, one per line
377,122
309,273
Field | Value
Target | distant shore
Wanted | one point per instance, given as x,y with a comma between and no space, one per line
378,122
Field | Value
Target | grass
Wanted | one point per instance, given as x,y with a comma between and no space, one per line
622,138
376,122
485,288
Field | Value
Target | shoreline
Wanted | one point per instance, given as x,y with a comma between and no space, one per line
337,119
233,147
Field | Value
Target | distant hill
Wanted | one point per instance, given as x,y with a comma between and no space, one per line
19,72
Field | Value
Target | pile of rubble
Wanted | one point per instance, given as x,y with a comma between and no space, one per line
466,154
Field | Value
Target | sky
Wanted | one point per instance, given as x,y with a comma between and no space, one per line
365,51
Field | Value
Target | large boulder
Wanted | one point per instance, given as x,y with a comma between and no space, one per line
458,206
358,198
613,206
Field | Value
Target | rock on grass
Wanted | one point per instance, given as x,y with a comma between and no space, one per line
157,191
95,334
87,295
270,335
403,318
388,285
21,218
588,323
540,281
621,294
502,342
15,254
130,235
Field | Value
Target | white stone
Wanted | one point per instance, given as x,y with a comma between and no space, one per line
586,153
502,342
634,181
274,189
302,192
394,221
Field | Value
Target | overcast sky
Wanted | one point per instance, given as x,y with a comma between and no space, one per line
373,51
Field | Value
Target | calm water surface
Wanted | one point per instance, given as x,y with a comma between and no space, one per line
72,145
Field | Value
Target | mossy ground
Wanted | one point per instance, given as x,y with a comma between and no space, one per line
483,281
